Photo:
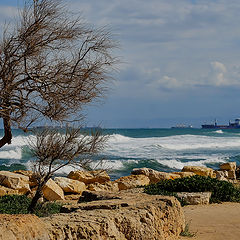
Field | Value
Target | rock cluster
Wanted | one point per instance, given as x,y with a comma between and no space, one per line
123,216
105,209
72,186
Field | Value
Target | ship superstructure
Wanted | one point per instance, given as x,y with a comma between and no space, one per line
231,125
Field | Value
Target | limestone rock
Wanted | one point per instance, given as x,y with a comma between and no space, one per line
107,186
228,166
202,171
133,216
69,185
89,177
232,174
237,172
195,198
72,197
15,181
89,196
52,192
132,181
32,179
185,174
222,175
7,191
22,227
153,175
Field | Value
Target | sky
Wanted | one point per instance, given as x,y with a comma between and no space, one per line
180,60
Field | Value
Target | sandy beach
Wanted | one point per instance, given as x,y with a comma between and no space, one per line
214,221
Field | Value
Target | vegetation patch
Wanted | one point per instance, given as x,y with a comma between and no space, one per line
222,191
18,204
186,232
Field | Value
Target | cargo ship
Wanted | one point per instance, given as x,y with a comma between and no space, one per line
231,125
181,126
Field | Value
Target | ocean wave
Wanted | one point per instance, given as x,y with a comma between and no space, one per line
11,153
178,164
219,131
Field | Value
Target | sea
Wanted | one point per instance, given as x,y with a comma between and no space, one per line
161,149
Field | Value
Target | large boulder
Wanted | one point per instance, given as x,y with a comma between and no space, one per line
69,185
228,166
52,192
131,216
15,181
153,175
22,227
185,174
32,177
7,191
132,181
222,175
89,177
231,174
107,186
202,171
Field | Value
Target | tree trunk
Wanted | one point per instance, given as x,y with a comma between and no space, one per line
35,199
7,138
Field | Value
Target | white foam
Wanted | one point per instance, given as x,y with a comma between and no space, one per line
11,154
219,131
178,165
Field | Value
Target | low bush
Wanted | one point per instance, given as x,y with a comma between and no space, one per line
222,191
18,204
14,204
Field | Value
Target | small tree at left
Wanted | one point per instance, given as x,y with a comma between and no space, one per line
52,64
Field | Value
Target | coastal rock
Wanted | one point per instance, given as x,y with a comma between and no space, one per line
195,198
22,227
228,166
133,216
185,174
202,171
222,175
132,181
89,177
232,174
7,191
52,192
69,185
15,181
237,172
89,196
32,178
107,186
153,175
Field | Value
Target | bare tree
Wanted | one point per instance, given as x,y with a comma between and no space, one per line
51,65
54,150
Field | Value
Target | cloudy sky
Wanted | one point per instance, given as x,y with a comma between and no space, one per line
181,60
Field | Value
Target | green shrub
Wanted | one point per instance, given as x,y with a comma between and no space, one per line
47,209
14,204
222,191
18,204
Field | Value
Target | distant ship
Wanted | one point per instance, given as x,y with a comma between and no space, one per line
231,125
180,126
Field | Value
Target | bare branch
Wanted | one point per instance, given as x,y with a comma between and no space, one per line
51,65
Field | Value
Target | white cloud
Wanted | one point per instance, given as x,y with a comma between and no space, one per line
219,67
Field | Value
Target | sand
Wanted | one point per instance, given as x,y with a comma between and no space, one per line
214,221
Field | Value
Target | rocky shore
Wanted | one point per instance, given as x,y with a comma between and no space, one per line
115,209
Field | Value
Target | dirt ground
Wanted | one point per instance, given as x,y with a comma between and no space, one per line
214,222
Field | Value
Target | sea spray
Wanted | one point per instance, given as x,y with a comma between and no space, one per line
160,149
